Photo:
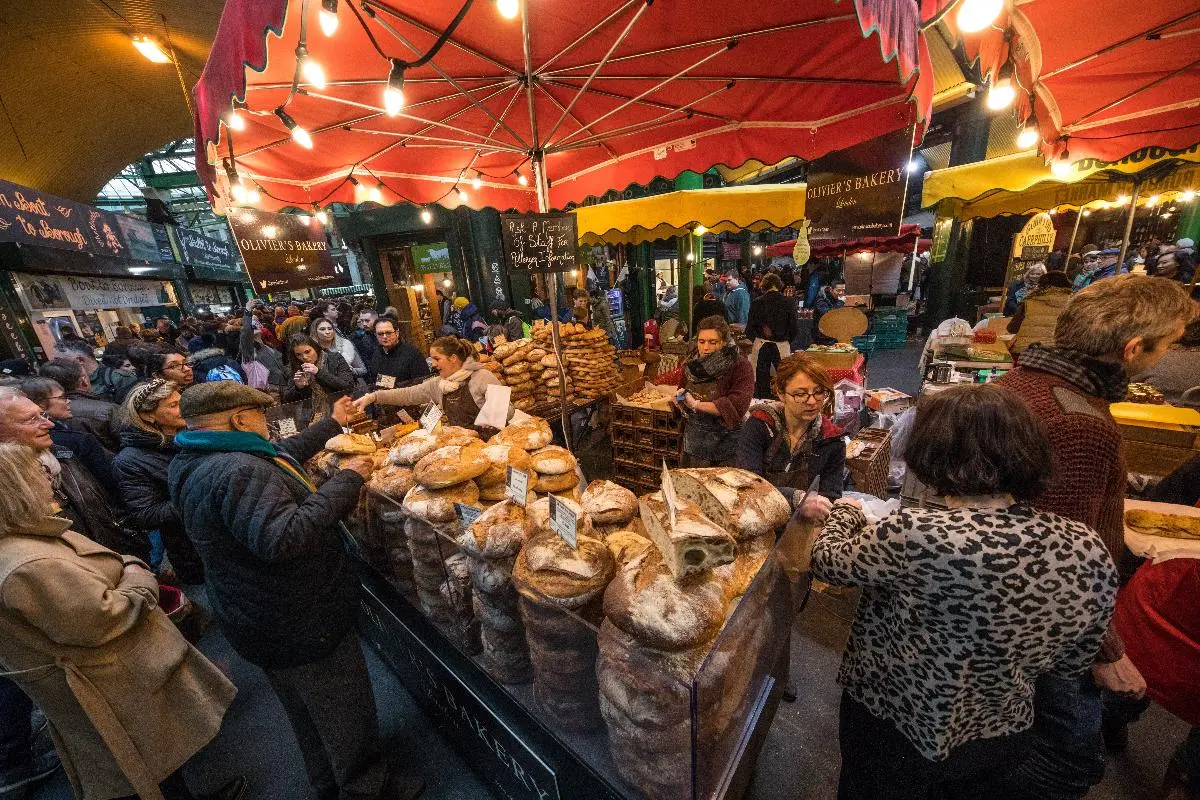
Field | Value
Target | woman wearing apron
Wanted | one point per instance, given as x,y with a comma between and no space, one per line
459,388
716,384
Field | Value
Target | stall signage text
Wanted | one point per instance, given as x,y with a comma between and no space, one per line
540,242
283,252
31,217
72,291
859,191
199,250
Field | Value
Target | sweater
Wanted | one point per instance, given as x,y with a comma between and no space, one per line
734,390
773,317
403,363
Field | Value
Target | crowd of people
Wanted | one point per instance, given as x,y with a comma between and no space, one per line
984,659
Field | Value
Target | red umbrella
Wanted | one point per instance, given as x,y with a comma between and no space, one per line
821,248
576,97
1102,79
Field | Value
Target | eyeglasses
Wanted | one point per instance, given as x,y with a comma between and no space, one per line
803,396
37,419
385,334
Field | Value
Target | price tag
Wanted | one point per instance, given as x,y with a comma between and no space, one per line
287,427
517,486
386,382
404,416
668,491
467,514
563,521
431,417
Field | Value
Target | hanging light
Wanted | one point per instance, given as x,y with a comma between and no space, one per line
376,193
393,95
1188,196
321,214
1122,199
508,8
1061,169
521,179
310,68
477,182
270,231
1152,202
299,135
975,15
447,283
691,256
1029,136
462,195
1086,213
235,120
252,195
699,230
426,216
1001,94
757,250
151,49
328,17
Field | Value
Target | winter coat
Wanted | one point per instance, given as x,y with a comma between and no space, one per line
826,460
430,391
127,698
706,308
737,305
773,317
334,377
366,345
214,360
92,510
110,384
1039,314
402,363
468,322
142,467
269,357
90,453
93,414
349,353
279,579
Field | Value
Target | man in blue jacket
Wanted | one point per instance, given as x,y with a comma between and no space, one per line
737,302
279,579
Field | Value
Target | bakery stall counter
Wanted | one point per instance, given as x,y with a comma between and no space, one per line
577,641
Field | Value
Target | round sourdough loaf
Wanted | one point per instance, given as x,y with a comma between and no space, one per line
500,457
528,435
437,505
609,504
391,480
451,465
556,483
552,460
498,532
548,571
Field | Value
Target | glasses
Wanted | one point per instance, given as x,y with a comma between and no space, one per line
385,334
803,396
37,419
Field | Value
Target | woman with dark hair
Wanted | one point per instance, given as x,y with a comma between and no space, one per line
319,376
965,603
771,325
326,334
171,367
715,383
459,388
151,413
790,442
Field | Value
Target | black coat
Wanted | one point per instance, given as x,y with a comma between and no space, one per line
404,363
97,416
279,580
92,511
827,459
142,468
333,374
91,454
772,316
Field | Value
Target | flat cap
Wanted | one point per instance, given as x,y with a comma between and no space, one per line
217,396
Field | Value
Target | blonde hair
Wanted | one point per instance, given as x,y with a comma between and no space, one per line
144,398
1102,318
27,495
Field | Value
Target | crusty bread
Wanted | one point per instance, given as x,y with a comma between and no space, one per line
549,572
556,483
498,532
452,434
1157,523
609,504
351,444
646,601
451,465
538,515
552,460
500,457
410,449
437,505
529,435
626,546
743,503
391,480
694,544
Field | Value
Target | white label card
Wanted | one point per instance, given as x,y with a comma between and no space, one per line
668,491
386,382
517,487
404,416
467,514
431,417
287,427
563,521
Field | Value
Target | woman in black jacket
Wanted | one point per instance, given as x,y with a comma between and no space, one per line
317,375
151,412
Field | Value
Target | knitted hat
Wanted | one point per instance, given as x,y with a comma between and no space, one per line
460,303
211,398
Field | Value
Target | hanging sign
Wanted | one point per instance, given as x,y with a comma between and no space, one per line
540,242
802,250
31,217
197,249
142,239
72,291
284,252
430,259
563,521
431,417
1035,239
859,191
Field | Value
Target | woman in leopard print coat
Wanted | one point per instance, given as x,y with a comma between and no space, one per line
962,607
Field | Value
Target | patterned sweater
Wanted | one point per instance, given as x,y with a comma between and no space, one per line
961,611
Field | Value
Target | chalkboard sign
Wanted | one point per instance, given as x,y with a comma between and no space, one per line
540,242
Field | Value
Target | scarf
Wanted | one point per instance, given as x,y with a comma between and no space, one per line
454,382
713,366
242,442
1090,375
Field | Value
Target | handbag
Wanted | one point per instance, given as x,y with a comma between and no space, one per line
257,376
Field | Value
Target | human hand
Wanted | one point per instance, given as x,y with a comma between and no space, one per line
1120,677
364,401
815,508
310,369
363,465
344,411
300,379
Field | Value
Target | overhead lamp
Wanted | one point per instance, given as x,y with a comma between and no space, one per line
252,195
1061,169
426,216
235,120
327,17
508,8
238,191
521,179
301,136
376,193
462,195
393,95
321,214
270,231
913,165
1122,199
1086,213
1001,94
477,182
975,15
757,250
1028,136
1188,196
151,49
310,68
1152,201
699,230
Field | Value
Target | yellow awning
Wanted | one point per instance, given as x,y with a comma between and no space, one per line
732,208
1022,183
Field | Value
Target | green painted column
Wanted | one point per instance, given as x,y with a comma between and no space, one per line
691,255
1189,219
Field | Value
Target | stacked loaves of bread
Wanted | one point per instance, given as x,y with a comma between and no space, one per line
587,358
385,541
518,365
665,633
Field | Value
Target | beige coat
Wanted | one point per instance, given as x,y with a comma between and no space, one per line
127,698
1042,310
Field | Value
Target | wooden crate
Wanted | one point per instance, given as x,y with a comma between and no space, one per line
871,467
1158,451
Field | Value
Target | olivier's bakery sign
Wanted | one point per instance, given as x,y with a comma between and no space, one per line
283,252
859,191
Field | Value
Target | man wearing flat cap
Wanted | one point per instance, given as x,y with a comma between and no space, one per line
279,579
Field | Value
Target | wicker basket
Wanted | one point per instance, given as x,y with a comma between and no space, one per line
871,466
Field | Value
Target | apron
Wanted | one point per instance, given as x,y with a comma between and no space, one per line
704,436
795,476
460,409
785,349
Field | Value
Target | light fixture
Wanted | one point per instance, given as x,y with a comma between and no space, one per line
238,191
508,8
477,182
521,179
151,49
393,95
310,68
1152,202
426,216
699,230
376,193
321,214
691,256
1086,213
447,283
305,218
252,195
757,250
913,165
270,231
1122,199
1061,169
975,15
1029,136
462,195
328,17
235,120
1001,94
299,135
574,272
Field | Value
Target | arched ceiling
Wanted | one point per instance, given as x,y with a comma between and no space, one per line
78,102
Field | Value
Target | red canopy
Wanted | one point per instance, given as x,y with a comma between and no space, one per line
1106,77
608,93
822,248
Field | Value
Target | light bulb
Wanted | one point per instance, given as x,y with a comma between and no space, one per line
1188,196
328,17
252,196
1028,137
323,217
377,194
447,283
1086,213
151,49
426,216
1001,95
758,251
1152,202
508,8
462,196
312,71
975,15
1122,199
476,183
302,137
270,231
700,230
305,218
235,120
393,95
691,256
913,165
1061,169
521,179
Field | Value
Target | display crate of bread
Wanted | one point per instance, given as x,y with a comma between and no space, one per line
869,459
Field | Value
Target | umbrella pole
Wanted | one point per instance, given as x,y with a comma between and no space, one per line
1074,231
543,201
912,269
1128,225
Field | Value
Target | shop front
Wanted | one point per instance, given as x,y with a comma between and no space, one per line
215,278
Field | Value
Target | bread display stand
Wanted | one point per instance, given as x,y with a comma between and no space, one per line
533,744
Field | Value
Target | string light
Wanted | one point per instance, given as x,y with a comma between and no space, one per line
508,8
151,49
393,95
321,214
975,15
299,135
1188,196
476,182
1061,169
235,120
310,68
426,216
328,17
1001,95
1028,137
521,179
462,195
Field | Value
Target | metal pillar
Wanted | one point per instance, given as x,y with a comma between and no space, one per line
1137,185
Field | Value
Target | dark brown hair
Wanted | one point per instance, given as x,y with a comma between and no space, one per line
772,281
972,440
68,373
453,347
795,364
39,390
718,324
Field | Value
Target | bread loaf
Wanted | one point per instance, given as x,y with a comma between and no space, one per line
548,571
694,544
437,505
498,532
351,444
552,460
743,503
647,602
529,435
500,457
451,465
392,481
625,546
412,448
609,504
556,483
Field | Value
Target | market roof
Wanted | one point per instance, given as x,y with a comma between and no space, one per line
80,102
733,208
